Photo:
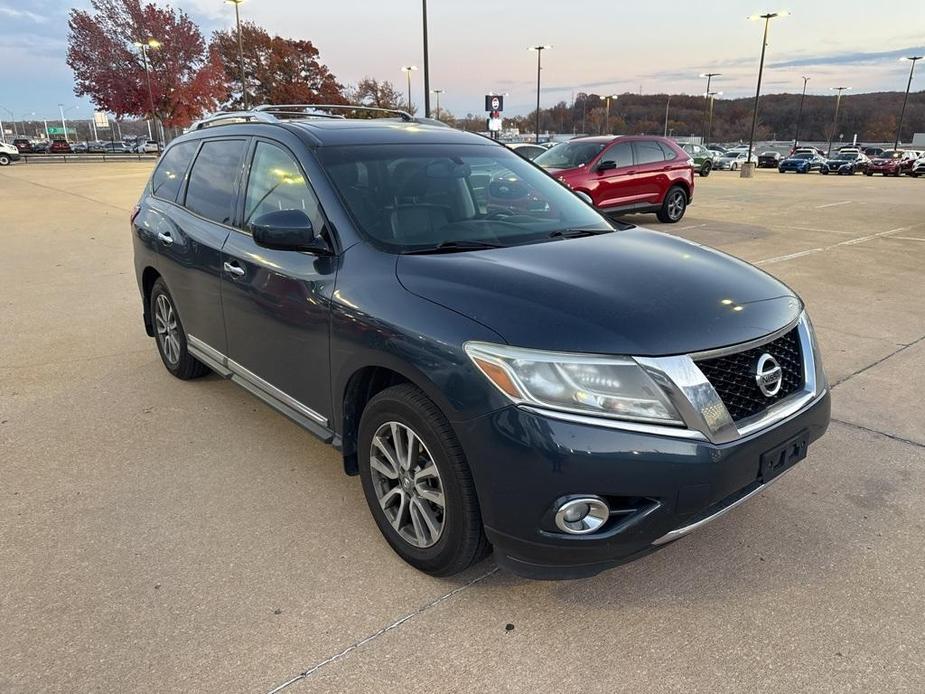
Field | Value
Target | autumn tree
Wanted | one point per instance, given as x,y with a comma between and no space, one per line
277,70
372,92
186,78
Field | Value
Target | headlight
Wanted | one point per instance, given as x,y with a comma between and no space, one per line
614,387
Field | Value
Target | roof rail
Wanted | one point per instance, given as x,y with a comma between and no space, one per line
287,109
233,116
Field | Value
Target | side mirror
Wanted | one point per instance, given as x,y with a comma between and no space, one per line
288,230
606,166
584,196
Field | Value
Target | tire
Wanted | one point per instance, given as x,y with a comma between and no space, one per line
176,357
673,206
733,167
5,159
868,173
460,540
706,169
914,174
824,172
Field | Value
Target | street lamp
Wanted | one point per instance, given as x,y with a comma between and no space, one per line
539,67
64,121
12,118
144,46
438,92
835,120
408,69
237,19
748,166
426,66
607,100
796,135
665,133
902,113
707,105
710,96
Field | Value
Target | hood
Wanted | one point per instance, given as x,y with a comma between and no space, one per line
632,292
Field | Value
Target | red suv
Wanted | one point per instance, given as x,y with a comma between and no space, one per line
625,173
59,147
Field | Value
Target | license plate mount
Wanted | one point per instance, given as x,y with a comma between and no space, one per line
783,457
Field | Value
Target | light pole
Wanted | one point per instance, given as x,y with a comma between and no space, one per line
438,92
707,105
796,135
748,166
539,68
710,96
12,118
607,100
835,119
408,69
237,19
426,64
666,115
902,113
64,121
150,43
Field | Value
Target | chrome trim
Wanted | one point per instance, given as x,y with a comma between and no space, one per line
228,367
687,529
620,424
745,346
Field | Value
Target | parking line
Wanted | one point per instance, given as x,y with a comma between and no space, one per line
781,258
908,238
849,242
834,204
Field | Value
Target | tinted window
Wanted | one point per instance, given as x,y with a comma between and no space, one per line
621,154
210,192
168,177
648,152
276,183
670,154
568,155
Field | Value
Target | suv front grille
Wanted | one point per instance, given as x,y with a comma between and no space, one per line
733,375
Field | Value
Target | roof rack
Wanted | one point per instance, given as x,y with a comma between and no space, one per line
303,108
273,113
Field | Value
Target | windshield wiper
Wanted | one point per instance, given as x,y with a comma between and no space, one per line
454,247
577,233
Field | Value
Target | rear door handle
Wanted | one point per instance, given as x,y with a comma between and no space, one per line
165,238
234,269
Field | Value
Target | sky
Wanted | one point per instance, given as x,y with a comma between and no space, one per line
481,46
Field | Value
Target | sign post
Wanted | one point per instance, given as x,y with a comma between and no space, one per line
494,104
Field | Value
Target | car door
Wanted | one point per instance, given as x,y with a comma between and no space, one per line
613,185
191,233
276,303
651,170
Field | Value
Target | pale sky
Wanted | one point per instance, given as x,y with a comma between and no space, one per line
477,46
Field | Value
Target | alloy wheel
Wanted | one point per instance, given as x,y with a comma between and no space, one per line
676,205
407,484
165,322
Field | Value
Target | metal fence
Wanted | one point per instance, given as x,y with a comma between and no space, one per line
80,157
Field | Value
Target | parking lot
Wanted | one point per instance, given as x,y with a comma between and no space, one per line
157,535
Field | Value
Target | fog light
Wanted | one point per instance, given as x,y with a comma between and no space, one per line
583,515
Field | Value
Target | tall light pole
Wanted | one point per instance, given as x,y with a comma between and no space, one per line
539,68
408,69
607,100
426,65
666,115
710,96
12,118
835,119
796,135
64,121
707,105
237,18
438,92
144,46
748,166
902,113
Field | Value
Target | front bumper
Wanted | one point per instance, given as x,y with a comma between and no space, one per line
524,463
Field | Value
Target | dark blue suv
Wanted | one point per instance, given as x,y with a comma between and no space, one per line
501,365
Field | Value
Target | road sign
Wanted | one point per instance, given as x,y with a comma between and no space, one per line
100,119
60,131
494,102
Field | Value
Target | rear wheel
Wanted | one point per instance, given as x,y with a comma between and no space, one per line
706,168
5,159
674,206
734,166
417,483
170,336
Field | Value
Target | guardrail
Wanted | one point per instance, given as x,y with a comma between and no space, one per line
46,157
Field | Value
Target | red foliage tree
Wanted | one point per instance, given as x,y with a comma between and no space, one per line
277,70
186,77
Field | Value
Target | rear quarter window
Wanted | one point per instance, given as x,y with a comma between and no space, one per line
168,176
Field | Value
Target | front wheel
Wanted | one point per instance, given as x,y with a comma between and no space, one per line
706,169
674,206
417,483
824,172
5,159
734,166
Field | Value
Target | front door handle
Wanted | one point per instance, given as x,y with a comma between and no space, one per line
165,238
234,269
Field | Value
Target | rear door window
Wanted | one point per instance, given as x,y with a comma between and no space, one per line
648,152
213,180
168,177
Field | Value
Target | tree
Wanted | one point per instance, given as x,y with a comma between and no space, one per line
186,78
371,92
277,70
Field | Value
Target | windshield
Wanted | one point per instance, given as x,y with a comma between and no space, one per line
802,155
846,156
892,154
419,197
569,155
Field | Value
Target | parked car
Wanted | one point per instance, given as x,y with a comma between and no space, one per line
528,150
81,147
918,168
470,361
716,148
40,146
701,156
768,160
892,162
846,163
8,154
114,148
802,162
59,147
145,147
733,160
872,152
625,174
23,145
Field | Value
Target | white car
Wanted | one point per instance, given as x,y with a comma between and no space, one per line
527,150
918,169
8,154
733,160
146,147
